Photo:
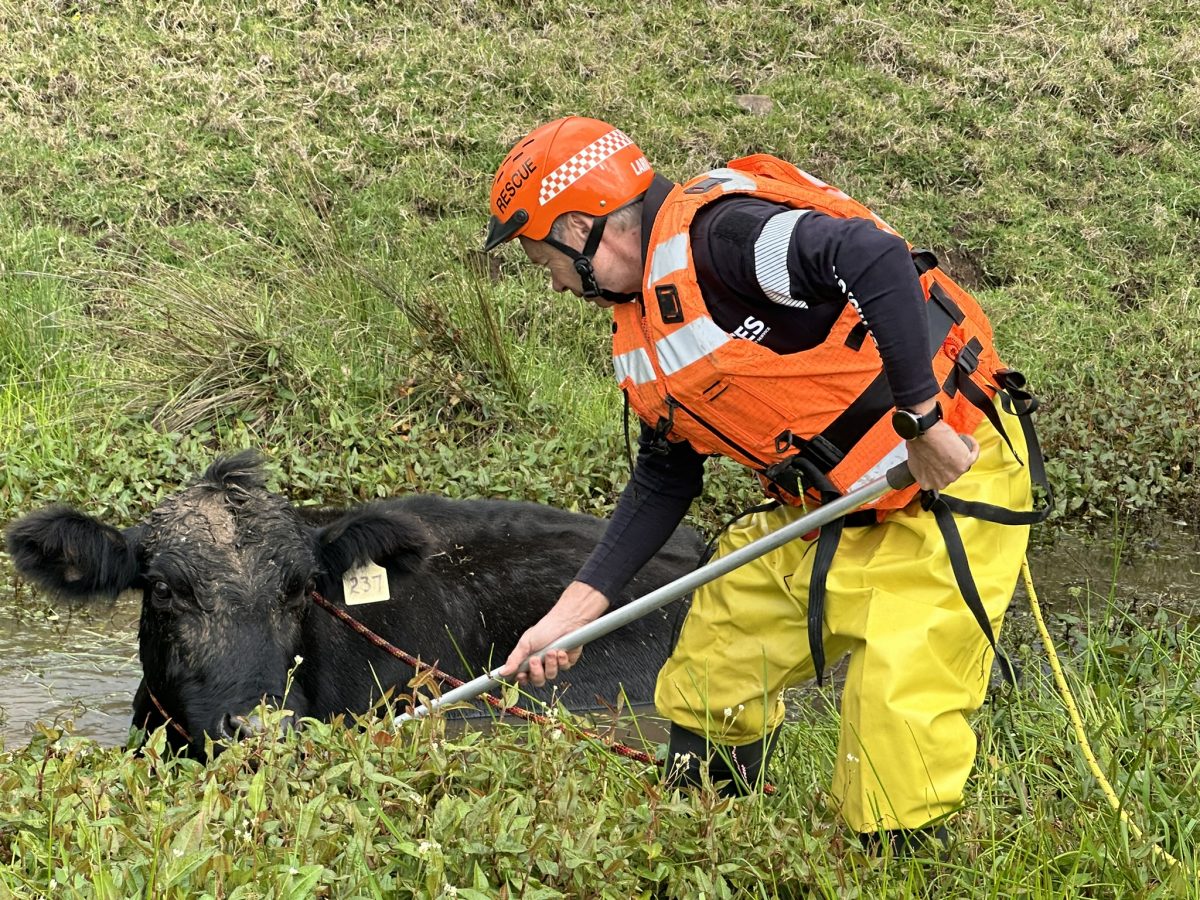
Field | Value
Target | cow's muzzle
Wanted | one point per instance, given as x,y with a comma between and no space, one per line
239,726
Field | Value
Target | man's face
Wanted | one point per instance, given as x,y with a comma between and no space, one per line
563,276
561,267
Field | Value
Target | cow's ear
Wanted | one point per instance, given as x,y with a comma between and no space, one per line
373,533
73,555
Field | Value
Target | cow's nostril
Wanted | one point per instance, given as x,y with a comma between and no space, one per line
239,727
234,728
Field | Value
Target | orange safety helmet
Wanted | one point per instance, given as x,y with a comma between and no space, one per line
569,165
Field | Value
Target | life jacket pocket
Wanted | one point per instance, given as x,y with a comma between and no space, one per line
736,408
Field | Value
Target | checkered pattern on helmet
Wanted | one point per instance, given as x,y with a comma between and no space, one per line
581,163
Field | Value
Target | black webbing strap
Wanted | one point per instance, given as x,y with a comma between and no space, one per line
827,543
990,512
959,379
827,449
966,582
1016,400
582,259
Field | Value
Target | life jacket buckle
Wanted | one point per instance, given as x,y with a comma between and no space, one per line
784,474
924,260
658,444
967,359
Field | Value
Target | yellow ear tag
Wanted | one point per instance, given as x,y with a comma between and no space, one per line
366,584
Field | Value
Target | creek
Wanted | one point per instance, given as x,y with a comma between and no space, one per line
80,664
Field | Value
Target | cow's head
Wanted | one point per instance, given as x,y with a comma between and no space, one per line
225,568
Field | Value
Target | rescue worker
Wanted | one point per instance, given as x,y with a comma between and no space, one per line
762,315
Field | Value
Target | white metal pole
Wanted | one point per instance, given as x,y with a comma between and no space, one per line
897,478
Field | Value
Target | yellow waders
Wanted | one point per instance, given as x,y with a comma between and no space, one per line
919,661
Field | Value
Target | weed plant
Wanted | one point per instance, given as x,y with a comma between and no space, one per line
420,809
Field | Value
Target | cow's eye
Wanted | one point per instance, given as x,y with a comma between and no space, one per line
297,591
161,592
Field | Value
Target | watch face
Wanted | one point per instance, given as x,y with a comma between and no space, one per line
905,424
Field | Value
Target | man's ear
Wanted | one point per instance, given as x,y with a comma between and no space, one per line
577,227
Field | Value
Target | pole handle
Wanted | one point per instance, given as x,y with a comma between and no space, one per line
899,476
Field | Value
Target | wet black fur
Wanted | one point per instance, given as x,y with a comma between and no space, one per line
72,555
466,578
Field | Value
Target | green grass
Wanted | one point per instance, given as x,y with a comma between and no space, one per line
255,212
232,224
421,810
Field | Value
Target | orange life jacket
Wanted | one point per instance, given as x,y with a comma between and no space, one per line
816,421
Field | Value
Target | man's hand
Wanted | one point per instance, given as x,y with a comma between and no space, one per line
578,605
940,456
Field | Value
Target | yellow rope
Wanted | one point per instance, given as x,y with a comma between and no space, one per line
1077,719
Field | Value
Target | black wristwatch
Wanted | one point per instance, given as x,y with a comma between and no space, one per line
910,426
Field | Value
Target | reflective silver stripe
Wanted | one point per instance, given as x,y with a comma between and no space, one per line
837,192
669,256
691,342
734,180
771,256
895,456
635,364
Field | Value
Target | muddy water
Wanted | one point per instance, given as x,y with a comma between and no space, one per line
59,664
81,665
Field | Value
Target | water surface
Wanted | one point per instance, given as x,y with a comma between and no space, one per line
59,664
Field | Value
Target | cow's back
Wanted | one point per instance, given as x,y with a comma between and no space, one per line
493,569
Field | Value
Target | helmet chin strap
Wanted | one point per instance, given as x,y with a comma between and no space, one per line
583,264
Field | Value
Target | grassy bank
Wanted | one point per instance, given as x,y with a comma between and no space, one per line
233,224
255,223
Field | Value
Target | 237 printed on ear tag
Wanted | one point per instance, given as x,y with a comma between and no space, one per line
366,584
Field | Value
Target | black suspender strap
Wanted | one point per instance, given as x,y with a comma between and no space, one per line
827,543
989,512
944,507
966,582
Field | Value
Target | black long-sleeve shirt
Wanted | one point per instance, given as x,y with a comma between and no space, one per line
781,277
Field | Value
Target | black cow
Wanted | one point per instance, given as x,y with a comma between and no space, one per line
226,569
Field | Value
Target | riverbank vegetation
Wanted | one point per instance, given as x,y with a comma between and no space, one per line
419,810
255,224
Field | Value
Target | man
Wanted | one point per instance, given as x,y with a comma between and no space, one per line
762,315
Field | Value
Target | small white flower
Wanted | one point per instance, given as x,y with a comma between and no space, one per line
728,712
297,659
177,852
53,883
424,847
850,757
292,870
